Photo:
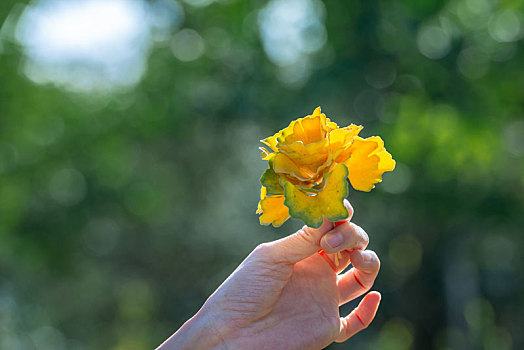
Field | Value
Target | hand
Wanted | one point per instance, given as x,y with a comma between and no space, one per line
285,295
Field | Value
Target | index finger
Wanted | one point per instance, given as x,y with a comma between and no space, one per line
346,236
360,278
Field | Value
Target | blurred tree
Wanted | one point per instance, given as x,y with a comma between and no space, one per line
123,207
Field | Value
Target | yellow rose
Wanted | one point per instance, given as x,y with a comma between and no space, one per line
309,162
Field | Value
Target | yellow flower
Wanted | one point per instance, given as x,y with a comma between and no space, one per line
309,162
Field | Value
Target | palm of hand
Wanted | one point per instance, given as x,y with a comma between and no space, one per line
265,302
310,299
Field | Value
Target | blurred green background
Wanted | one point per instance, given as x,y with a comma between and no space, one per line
129,164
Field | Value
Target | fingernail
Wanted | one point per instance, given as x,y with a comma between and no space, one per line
368,257
334,240
349,208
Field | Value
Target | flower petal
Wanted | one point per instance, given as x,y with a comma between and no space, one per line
272,209
271,142
309,129
327,124
367,161
301,148
340,140
303,168
328,202
305,130
265,153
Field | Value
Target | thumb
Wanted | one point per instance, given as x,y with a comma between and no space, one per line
298,246
303,243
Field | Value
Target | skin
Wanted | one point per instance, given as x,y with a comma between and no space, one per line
285,295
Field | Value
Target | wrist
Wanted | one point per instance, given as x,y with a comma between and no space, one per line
197,333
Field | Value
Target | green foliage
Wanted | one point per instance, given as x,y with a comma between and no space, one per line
122,210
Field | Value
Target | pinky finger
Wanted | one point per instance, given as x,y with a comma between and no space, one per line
359,318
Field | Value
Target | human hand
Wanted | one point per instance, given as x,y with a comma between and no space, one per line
286,296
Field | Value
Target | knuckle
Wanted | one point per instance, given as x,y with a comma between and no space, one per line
377,260
365,237
305,234
333,326
262,249
362,324
360,233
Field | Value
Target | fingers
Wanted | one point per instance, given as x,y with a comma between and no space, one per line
346,236
359,318
298,246
360,278
305,242
343,260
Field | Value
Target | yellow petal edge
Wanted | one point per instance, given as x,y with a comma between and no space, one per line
272,208
367,162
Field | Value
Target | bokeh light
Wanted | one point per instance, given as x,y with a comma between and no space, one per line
93,44
85,43
291,31
187,45
433,42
